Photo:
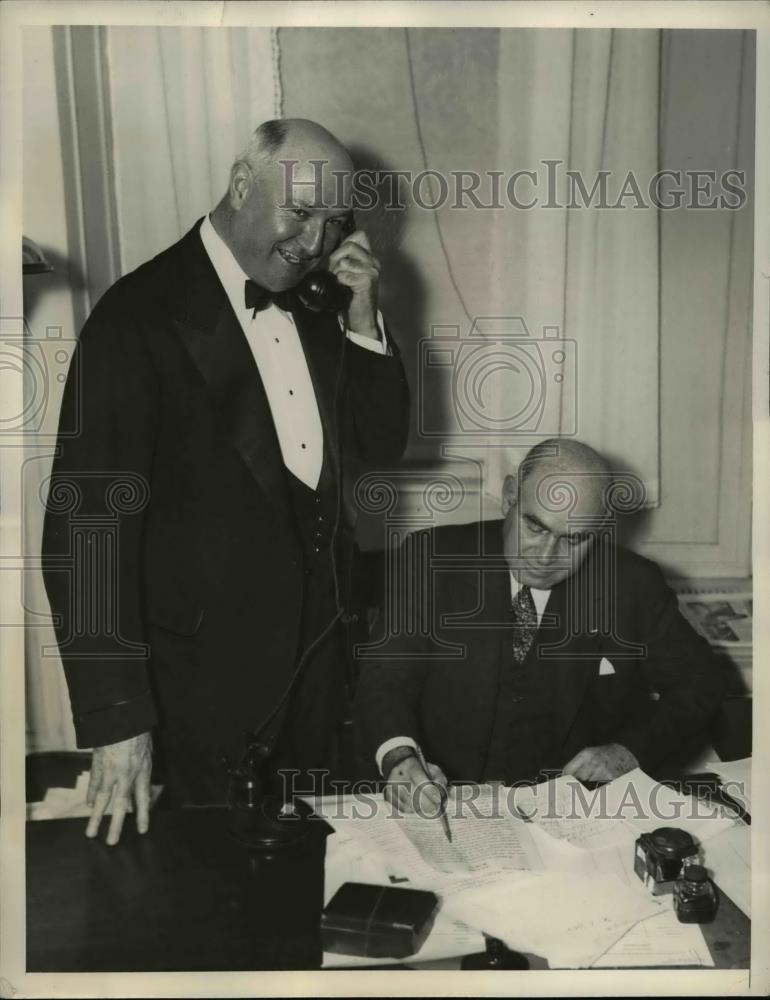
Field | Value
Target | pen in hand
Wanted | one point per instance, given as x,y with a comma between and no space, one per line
442,814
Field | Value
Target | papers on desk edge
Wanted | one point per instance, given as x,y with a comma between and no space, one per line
414,847
547,868
636,803
570,919
70,803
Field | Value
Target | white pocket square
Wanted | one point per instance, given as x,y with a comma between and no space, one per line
605,667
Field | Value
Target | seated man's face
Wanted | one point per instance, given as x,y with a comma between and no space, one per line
543,543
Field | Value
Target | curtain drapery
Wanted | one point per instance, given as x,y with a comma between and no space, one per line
184,101
590,271
175,106
485,100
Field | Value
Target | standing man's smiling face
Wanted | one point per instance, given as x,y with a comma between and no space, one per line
283,220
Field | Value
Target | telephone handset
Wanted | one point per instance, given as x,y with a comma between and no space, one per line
319,291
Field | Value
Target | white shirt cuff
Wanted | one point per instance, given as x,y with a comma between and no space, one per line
379,346
393,744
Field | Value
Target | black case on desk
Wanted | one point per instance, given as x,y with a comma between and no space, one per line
376,921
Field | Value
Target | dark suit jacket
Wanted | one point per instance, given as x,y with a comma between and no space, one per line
191,610
435,677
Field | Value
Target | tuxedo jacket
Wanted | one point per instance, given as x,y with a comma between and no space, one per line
172,560
626,667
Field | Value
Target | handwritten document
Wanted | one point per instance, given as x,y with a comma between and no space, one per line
382,836
616,813
646,805
415,847
659,940
570,919
564,809
548,869
479,842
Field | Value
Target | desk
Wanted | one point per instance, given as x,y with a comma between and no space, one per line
186,898
182,897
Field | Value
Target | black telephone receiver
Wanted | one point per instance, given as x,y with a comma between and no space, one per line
319,291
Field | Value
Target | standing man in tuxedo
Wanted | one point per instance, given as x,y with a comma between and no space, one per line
222,426
540,645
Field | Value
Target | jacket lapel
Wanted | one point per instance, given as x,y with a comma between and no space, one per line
481,597
487,596
485,585
212,336
570,640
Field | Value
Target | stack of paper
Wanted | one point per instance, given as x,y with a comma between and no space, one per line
347,860
548,869
658,940
646,805
572,920
565,810
69,803
616,813
415,847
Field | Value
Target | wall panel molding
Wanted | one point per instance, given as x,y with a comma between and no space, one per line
85,115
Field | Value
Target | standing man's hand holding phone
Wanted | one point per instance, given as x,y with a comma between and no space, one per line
354,265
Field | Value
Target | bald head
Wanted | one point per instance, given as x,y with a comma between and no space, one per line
294,139
586,471
567,453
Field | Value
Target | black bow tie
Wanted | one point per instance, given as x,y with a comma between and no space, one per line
258,298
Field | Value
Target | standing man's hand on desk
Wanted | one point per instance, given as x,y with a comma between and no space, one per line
407,786
123,768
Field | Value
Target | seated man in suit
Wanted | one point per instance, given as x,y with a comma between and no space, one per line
540,645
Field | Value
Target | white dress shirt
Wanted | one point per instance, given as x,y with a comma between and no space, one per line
540,599
280,358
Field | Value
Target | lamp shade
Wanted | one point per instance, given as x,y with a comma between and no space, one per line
33,258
